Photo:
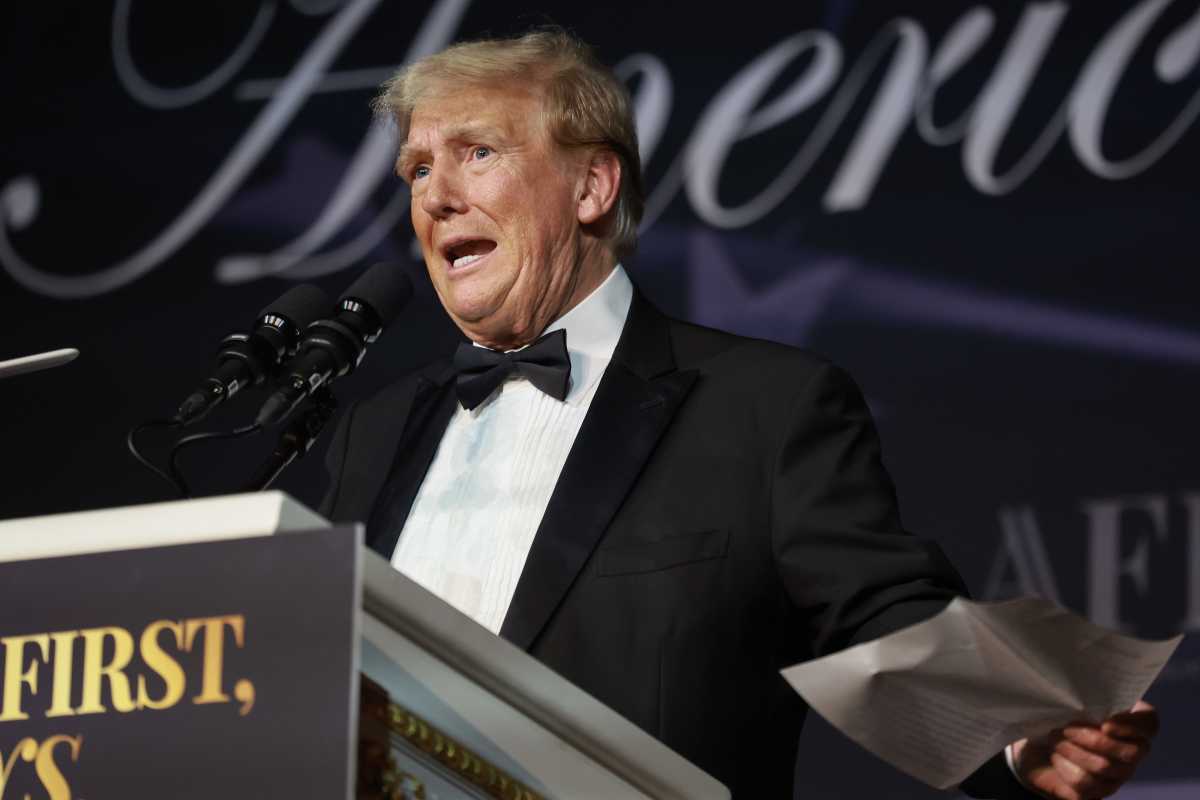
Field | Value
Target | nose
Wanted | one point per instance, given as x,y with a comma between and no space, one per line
443,194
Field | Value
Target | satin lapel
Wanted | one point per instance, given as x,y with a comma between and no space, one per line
375,427
410,455
632,407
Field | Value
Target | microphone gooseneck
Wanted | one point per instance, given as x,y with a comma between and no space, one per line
249,359
332,348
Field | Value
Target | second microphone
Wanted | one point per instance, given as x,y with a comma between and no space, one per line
333,347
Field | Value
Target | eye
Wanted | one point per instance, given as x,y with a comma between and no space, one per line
420,171
481,152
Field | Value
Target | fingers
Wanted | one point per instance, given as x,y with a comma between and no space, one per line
1140,722
1079,781
1124,751
1094,763
1083,761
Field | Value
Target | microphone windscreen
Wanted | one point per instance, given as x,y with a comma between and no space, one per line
301,305
385,288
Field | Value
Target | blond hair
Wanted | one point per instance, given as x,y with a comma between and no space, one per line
584,103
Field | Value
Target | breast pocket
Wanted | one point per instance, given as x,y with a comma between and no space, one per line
660,554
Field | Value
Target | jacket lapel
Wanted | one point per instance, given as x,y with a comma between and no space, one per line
410,443
635,401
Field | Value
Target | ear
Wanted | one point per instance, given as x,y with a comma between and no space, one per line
601,183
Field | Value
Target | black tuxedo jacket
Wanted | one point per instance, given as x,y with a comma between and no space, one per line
723,513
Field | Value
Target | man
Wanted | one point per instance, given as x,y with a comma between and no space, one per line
688,511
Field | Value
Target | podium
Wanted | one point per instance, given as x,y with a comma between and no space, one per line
182,650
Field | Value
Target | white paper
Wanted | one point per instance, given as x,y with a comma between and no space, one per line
938,699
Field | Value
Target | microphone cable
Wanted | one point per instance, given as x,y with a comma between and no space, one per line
173,467
131,443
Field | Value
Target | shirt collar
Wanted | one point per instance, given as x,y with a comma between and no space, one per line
593,329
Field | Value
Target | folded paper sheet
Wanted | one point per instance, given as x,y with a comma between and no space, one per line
938,699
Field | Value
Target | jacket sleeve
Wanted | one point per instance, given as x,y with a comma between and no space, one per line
846,562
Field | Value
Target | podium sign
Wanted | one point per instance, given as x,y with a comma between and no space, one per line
182,650
212,669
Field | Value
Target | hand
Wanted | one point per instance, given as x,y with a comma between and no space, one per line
1083,761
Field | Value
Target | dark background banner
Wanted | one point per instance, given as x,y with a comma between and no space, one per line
984,211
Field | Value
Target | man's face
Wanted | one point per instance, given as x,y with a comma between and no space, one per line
495,206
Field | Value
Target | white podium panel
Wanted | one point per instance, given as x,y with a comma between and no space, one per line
207,519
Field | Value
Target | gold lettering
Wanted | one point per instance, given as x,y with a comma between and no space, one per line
64,662
48,772
17,675
214,652
95,670
27,749
243,690
167,667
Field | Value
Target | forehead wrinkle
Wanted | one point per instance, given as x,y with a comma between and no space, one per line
488,112
473,131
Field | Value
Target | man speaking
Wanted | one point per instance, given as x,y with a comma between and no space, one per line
664,514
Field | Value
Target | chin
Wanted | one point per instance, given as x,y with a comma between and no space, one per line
473,317
472,309
474,301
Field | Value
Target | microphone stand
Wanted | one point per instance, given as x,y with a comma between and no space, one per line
296,439
33,363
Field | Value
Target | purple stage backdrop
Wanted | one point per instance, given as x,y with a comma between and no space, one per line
982,210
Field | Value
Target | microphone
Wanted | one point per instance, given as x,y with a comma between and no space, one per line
248,359
333,347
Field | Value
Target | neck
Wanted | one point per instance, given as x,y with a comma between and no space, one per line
588,282
588,275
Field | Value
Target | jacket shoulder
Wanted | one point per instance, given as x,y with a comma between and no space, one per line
713,351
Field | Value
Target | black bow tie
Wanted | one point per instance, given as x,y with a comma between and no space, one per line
544,363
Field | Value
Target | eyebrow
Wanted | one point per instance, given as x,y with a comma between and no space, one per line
405,159
471,131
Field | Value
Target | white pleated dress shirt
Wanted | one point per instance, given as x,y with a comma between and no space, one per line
474,518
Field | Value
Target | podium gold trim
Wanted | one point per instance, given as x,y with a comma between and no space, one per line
380,779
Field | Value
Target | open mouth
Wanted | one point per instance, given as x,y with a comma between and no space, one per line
466,252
